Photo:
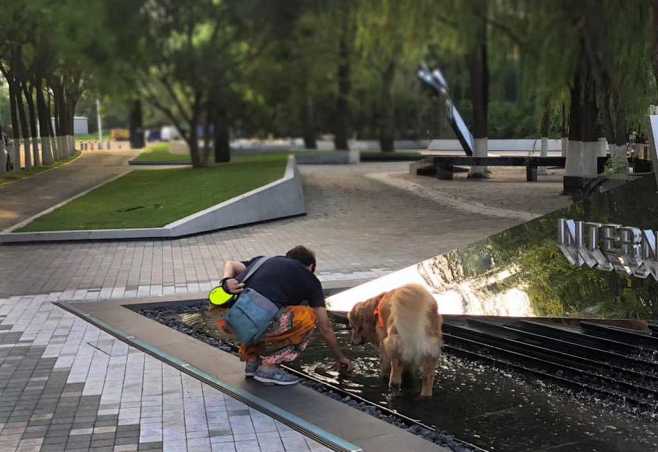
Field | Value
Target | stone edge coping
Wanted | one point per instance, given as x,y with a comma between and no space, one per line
168,231
304,157
330,422
135,162
294,422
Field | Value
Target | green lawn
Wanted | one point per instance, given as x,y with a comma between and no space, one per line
161,152
154,198
93,136
8,178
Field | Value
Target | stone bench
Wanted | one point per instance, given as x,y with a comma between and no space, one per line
444,166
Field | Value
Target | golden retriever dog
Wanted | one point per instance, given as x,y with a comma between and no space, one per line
406,327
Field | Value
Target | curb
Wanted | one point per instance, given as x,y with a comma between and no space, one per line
134,162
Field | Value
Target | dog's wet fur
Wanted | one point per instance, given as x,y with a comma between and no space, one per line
410,337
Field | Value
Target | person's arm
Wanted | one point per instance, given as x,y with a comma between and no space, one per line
327,332
231,270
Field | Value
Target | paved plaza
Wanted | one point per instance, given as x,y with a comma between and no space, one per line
65,385
359,227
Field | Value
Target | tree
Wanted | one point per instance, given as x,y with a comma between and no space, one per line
389,38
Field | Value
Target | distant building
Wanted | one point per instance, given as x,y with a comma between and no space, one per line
168,133
80,125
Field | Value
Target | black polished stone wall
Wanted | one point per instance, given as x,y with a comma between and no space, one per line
522,271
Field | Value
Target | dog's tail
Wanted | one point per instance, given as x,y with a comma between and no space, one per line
417,321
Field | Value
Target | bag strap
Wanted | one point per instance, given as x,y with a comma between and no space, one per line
254,268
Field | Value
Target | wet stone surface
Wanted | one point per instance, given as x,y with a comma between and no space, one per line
477,403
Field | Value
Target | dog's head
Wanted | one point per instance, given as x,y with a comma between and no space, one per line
362,321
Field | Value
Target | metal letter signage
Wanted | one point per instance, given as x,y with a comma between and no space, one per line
609,247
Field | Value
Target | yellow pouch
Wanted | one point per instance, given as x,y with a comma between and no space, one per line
218,296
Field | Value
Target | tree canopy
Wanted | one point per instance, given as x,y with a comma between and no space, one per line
306,68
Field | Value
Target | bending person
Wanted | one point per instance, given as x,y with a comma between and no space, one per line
289,282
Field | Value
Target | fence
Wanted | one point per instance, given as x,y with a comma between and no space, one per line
95,145
13,156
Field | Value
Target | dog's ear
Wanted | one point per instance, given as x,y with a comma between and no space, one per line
368,308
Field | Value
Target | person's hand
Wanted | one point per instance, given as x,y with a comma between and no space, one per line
233,286
343,364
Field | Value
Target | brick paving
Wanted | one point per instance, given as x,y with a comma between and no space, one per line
65,385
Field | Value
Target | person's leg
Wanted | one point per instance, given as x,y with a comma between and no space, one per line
295,326
251,355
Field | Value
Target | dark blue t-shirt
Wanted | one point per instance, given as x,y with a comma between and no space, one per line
286,282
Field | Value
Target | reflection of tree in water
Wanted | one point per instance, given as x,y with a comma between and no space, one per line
442,271
527,257
468,283
554,286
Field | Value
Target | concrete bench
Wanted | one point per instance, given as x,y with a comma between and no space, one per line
444,165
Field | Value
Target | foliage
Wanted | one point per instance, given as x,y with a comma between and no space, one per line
273,67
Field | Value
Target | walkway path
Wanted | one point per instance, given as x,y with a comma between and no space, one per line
24,198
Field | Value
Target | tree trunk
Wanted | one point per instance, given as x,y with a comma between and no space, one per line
342,118
583,124
655,40
479,69
25,127
136,128
52,125
13,148
387,110
32,115
545,126
575,114
13,110
193,144
222,140
590,110
308,121
44,124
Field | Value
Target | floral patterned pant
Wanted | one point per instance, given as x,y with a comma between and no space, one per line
286,338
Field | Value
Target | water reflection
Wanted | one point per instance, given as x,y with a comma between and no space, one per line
492,408
521,271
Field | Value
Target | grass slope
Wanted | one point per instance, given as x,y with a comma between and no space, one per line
154,198
161,152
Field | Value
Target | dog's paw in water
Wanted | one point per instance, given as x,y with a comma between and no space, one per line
395,388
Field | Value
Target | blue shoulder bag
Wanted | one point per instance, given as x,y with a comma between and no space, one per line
252,313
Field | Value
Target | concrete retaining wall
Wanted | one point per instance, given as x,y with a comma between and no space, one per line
279,199
328,157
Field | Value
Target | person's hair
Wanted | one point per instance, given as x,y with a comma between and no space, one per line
302,254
